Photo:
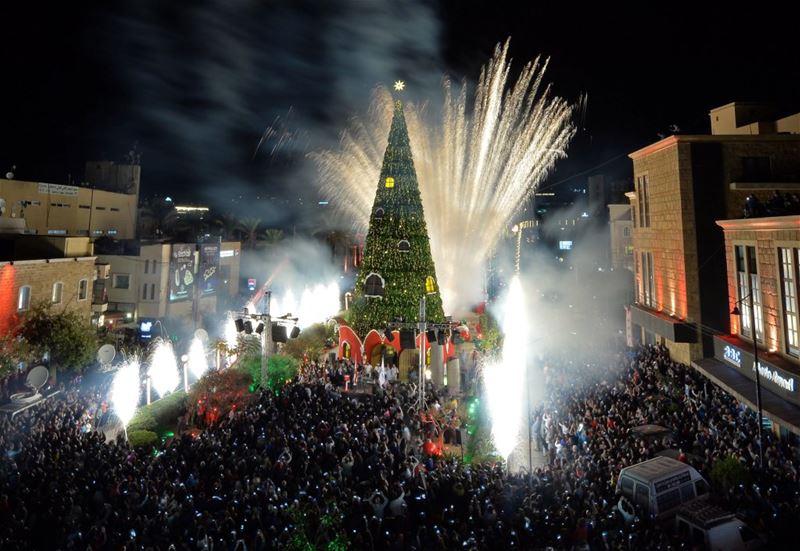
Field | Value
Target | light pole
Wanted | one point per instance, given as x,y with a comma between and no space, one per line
754,334
423,327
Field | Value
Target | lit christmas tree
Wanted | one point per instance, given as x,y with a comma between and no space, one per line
397,269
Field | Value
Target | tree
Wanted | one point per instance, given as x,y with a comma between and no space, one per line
157,218
229,225
311,341
397,269
68,338
13,349
249,228
273,236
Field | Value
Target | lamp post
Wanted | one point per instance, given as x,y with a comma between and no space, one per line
754,334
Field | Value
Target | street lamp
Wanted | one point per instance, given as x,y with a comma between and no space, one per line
754,334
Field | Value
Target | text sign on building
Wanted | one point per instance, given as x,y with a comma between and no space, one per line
58,189
226,254
209,269
732,355
773,376
181,276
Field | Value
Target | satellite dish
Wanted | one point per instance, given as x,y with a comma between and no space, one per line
202,334
37,377
106,354
2,206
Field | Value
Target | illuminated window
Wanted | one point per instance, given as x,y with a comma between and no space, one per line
390,182
789,287
374,285
404,246
748,283
378,214
430,285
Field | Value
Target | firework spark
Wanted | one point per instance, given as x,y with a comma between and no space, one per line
476,167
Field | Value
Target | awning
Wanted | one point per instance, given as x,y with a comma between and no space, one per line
673,329
744,389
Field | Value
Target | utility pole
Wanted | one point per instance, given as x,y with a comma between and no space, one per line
266,338
423,328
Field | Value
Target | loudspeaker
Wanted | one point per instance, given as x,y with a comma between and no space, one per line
260,328
278,333
389,335
431,334
248,327
295,332
407,339
441,337
239,325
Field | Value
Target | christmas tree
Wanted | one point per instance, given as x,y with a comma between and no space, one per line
397,269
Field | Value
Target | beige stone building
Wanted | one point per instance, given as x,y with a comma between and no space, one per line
683,184
620,226
104,206
173,282
56,270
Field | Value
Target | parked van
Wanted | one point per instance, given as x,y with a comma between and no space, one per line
660,485
705,525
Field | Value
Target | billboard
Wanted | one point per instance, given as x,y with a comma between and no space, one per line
181,272
209,269
565,245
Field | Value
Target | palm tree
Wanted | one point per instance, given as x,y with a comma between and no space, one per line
250,228
157,218
273,236
229,225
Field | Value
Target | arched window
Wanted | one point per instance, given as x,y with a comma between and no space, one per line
626,231
389,182
403,246
58,291
374,285
430,285
378,214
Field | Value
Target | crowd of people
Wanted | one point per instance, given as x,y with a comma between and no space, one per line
317,467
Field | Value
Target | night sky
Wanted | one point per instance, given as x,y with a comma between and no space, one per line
195,84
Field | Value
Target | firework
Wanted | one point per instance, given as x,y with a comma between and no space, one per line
125,391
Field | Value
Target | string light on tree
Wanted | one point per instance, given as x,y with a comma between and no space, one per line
399,85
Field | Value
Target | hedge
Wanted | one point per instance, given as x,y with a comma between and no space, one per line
142,439
161,414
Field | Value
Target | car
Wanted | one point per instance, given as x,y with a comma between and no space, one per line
701,523
660,485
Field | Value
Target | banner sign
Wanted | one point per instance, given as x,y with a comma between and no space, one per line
58,189
181,267
209,269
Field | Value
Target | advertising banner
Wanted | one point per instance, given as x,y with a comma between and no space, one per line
181,276
209,269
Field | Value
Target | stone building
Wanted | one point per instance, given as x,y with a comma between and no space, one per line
683,185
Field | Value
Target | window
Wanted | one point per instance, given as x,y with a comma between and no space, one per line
756,168
643,496
668,500
144,291
99,208
112,232
643,195
146,266
701,488
84,207
687,492
626,231
114,209
58,292
83,289
378,214
788,259
430,285
152,291
56,232
648,281
24,298
155,265
374,285
97,232
390,182
749,287
627,487
121,281
404,246
629,250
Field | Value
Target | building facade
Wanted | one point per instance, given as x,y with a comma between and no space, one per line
620,234
56,271
179,282
108,208
683,185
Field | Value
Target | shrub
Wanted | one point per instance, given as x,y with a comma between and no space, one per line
161,414
142,439
729,472
280,369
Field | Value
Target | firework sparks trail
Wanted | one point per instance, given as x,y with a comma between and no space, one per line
475,169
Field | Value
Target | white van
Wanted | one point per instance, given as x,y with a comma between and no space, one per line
660,485
702,524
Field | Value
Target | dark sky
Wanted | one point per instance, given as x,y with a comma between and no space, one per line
195,84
